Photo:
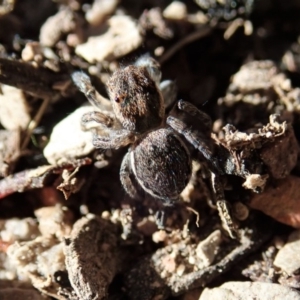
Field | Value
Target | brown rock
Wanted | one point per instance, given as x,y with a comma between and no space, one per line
281,202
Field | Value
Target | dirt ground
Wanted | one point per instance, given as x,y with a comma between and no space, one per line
69,228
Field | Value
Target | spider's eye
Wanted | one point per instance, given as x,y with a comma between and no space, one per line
120,98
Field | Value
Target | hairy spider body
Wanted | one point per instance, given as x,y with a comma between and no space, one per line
161,164
137,102
158,157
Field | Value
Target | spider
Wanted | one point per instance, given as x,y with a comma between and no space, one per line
158,156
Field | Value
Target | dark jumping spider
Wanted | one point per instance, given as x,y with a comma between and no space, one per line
158,156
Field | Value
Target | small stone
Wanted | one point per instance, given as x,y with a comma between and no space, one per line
54,220
14,229
100,10
159,236
50,32
68,140
288,257
14,110
122,37
208,248
176,10
30,50
180,270
250,291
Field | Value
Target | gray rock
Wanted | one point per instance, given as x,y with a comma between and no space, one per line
250,291
288,257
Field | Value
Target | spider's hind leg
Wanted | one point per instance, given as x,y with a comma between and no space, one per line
195,126
223,206
125,177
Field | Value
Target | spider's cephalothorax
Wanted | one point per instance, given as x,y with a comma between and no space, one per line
136,100
158,157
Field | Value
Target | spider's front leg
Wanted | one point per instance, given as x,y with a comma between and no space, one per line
168,88
195,126
113,139
169,91
106,136
100,119
199,136
83,82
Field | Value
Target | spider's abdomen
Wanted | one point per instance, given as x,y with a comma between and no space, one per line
161,164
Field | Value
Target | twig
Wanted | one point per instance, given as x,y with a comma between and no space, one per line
36,178
200,33
34,122
38,81
196,213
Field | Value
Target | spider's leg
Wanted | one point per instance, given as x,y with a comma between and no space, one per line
160,218
101,119
83,82
125,173
223,206
114,140
197,134
152,66
203,119
195,138
199,137
169,91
